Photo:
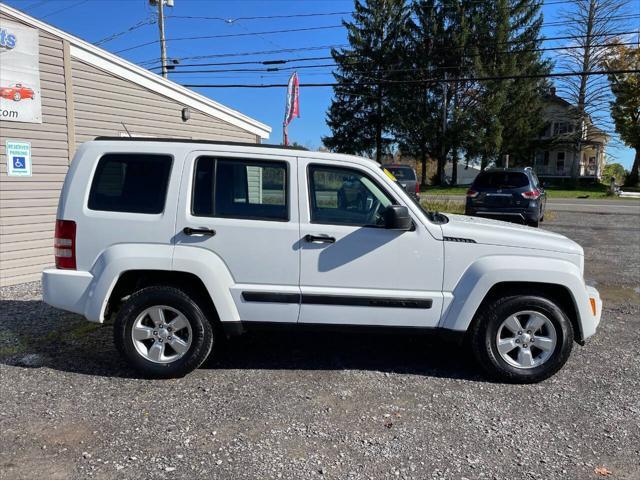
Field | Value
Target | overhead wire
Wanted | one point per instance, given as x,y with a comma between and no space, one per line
419,81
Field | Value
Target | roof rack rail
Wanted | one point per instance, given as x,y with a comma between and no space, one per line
198,141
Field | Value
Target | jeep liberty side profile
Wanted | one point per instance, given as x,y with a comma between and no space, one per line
187,242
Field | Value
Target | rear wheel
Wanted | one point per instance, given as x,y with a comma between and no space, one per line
522,339
162,332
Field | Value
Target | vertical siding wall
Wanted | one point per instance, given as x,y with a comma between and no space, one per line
28,204
97,105
103,102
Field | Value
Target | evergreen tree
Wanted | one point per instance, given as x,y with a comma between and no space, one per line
434,59
360,114
508,114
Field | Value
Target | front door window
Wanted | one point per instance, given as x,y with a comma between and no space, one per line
342,196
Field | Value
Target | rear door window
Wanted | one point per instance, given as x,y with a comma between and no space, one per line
502,180
243,189
128,182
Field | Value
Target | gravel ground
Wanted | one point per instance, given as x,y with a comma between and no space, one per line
326,406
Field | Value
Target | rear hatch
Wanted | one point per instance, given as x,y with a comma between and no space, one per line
501,189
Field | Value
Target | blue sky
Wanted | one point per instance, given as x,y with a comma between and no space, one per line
93,20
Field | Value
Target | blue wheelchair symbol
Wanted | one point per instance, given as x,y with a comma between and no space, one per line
19,163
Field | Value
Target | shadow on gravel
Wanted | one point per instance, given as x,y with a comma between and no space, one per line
33,334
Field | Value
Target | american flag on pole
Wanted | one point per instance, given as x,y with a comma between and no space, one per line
292,107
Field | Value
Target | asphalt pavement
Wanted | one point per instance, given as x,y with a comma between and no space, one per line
625,206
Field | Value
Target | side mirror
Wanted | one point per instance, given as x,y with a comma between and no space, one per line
396,217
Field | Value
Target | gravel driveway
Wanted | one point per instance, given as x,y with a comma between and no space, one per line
326,406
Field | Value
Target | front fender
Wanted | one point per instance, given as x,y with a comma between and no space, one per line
488,271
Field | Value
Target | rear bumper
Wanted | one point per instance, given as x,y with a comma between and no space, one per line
509,214
67,289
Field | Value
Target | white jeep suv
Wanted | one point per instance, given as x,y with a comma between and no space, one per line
188,242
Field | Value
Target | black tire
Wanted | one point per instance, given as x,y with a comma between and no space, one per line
483,336
202,340
533,223
17,97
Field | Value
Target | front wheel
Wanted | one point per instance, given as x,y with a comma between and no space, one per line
163,333
17,97
522,339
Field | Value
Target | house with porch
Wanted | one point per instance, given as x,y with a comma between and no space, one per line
557,152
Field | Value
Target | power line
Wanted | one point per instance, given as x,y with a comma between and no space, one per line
265,17
142,23
327,47
295,67
35,5
417,81
249,54
77,4
229,35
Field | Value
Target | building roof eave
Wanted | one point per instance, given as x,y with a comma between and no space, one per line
120,67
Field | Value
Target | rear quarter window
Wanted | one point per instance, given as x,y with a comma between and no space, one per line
133,183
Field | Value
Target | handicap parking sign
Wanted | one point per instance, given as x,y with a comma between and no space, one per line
18,158
19,163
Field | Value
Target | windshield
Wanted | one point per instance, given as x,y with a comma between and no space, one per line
402,173
501,180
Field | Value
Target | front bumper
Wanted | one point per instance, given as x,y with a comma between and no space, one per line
591,319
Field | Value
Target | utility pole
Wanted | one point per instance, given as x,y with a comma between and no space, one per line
163,44
443,160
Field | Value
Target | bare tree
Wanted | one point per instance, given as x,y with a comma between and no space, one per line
594,25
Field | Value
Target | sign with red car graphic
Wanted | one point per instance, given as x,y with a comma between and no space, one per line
20,73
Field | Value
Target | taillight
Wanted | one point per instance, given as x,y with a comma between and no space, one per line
532,195
417,187
64,244
472,193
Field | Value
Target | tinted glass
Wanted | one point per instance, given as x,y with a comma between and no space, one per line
134,183
501,180
240,189
345,196
402,173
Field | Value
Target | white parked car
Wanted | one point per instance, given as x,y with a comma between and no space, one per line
187,242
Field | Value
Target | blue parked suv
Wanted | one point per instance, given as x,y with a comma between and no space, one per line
510,194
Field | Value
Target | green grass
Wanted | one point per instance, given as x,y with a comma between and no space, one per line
591,191
441,204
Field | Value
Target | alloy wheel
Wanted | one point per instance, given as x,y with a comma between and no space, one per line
526,339
161,334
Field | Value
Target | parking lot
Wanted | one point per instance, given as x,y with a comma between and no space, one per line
328,406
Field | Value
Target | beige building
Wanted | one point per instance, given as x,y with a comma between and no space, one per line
557,153
78,92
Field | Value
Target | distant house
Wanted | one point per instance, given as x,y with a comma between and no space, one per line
556,154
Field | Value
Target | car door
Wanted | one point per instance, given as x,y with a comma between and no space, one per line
543,195
243,208
353,271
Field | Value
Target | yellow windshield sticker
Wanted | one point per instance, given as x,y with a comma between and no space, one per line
390,175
